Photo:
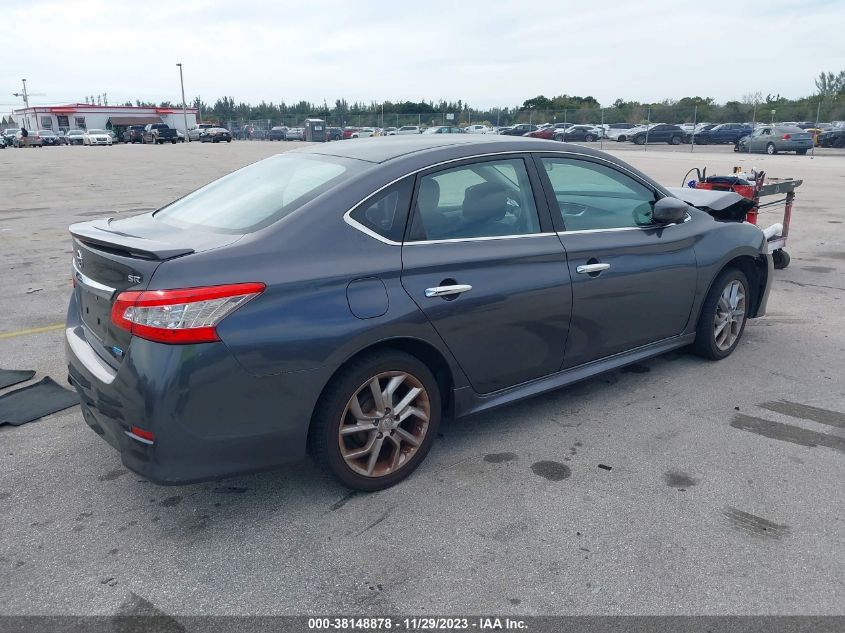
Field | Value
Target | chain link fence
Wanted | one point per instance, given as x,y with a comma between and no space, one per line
689,117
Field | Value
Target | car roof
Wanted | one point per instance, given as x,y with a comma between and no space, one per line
384,149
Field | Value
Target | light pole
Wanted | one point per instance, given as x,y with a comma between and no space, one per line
184,109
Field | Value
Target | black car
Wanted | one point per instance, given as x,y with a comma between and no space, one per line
49,137
344,298
519,129
661,133
723,133
832,138
215,135
586,133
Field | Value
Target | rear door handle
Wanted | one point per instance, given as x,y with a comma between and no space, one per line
447,291
592,268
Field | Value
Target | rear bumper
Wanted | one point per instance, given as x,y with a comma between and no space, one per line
209,417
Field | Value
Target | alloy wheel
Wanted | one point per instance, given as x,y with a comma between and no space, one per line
384,424
730,315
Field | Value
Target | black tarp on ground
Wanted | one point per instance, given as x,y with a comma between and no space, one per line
9,377
35,401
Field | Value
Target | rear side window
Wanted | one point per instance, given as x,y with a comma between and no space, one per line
484,199
387,211
260,194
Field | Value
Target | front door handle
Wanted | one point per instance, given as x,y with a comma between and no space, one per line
447,291
592,268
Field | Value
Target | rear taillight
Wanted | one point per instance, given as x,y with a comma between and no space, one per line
182,316
786,137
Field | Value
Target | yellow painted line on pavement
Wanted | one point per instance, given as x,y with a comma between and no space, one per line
32,330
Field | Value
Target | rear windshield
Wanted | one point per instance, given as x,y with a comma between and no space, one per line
259,194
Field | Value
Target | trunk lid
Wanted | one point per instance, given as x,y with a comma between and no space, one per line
112,256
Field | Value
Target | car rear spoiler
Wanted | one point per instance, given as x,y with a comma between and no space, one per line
99,234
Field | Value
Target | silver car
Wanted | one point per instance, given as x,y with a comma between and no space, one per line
772,139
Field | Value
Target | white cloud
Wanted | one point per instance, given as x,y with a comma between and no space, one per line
486,53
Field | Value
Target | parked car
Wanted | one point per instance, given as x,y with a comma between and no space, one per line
363,132
75,137
133,134
216,135
295,134
390,131
613,130
9,135
97,137
723,133
349,131
477,128
773,139
443,129
49,137
622,135
277,133
32,139
334,133
409,129
363,305
158,133
588,133
832,138
195,131
660,133
518,130
2,141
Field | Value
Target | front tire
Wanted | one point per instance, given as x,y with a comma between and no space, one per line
771,150
723,315
675,140
376,420
639,140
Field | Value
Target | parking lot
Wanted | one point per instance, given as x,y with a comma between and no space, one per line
675,486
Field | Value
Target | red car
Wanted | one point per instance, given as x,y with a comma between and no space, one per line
349,131
548,132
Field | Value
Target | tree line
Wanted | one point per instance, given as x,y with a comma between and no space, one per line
828,103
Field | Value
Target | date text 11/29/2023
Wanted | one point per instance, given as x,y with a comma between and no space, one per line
416,624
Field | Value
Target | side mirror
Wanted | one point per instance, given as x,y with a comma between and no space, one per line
669,210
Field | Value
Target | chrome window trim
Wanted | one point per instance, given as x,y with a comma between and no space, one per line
486,238
687,218
98,288
347,217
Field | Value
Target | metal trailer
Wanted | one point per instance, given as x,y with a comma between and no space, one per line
754,186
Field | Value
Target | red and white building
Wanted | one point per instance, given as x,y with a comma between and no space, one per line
90,117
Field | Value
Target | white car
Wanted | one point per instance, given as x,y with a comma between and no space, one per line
97,137
409,129
364,132
478,129
194,132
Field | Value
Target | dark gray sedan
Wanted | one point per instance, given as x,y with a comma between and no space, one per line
345,298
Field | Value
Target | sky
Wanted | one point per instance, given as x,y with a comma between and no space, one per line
488,54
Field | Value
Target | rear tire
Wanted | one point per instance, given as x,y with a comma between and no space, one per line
589,138
639,140
396,447
675,140
771,150
723,316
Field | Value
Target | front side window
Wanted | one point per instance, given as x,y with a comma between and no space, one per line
484,199
592,196
259,194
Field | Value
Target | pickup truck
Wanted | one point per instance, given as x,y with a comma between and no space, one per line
133,134
159,133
